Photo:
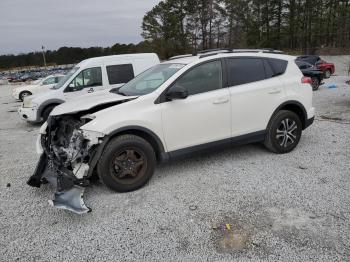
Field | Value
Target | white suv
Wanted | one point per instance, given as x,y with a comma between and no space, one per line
180,106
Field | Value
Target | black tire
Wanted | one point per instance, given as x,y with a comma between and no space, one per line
23,94
327,73
45,114
114,162
279,141
315,83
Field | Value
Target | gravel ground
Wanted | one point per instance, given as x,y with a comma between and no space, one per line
293,207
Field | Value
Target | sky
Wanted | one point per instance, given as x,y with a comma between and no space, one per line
26,25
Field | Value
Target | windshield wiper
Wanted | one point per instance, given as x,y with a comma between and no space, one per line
117,91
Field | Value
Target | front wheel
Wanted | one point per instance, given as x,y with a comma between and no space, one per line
127,163
283,132
46,112
328,74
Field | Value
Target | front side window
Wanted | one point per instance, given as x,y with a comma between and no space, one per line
64,79
203,78
245,70
120,74
49,81
87,78
148,81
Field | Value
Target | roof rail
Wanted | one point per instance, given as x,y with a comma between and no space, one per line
180,56
212,52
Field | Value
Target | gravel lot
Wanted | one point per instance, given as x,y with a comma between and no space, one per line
293,207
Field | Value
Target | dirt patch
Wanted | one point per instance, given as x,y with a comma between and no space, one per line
230,237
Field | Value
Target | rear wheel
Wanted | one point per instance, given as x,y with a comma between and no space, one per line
284,132
24,94
127,163
315,83
328,73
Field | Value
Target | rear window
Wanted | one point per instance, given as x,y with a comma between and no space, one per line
120,74
245,70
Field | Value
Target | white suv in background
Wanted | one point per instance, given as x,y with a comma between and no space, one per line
178,107
89,76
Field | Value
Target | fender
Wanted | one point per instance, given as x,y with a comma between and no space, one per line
304,119
161,154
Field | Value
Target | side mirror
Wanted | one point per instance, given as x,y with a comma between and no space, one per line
177,92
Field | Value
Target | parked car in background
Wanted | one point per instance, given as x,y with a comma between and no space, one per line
43,85
89,76
311,71
173,109
327,68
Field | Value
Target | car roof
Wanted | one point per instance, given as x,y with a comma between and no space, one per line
189,59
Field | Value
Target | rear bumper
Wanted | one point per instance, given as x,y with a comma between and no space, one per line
309,122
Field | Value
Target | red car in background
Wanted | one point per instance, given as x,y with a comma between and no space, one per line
327,68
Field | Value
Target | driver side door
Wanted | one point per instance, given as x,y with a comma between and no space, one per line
202,117
87,81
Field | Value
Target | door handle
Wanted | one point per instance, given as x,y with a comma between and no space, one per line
275,91
91,90
221,101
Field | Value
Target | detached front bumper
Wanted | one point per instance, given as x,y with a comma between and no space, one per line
69,189
28,114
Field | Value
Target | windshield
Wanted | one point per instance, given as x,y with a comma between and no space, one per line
149,81
65,78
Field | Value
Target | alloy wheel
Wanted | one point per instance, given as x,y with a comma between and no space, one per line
130,164
287,132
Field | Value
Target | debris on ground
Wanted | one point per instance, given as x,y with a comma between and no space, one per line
331,86
8,185
193,208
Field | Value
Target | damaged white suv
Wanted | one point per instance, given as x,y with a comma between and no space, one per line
191,103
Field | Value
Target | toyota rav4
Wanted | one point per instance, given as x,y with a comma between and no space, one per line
186,104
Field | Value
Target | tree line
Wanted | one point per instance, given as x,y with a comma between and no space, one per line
304,26
176,27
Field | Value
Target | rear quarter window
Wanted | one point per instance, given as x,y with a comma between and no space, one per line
120,74
278,66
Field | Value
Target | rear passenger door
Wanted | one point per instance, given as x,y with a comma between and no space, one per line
255,91
118,75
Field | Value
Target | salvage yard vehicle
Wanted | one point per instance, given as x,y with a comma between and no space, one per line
311,71
43,85
327,68
91,75
178,107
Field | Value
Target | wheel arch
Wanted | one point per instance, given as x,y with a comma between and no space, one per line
51,102
293,106
144,133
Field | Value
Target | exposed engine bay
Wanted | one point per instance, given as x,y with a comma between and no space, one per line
65,162
68,158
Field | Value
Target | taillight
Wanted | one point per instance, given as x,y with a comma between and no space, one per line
306,80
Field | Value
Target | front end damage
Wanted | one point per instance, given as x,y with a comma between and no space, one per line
67,160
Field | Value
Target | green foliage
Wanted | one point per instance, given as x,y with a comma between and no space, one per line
179,26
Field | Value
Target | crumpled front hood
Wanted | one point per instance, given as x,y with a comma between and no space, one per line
90,101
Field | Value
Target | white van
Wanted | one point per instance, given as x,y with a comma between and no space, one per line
91,75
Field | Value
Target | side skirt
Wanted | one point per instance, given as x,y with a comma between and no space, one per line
217,145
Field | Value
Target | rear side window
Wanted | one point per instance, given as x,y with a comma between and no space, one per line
278,66
120,74
245,70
